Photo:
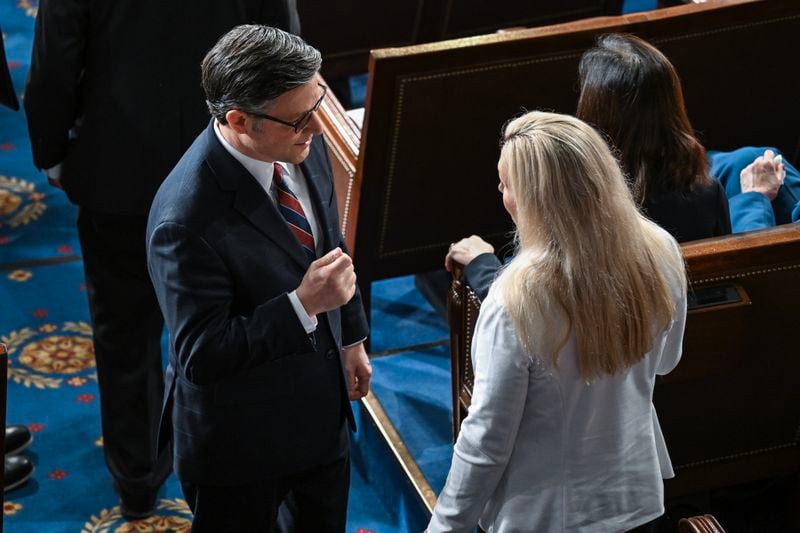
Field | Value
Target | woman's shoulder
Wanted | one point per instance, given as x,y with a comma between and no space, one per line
494,304
713,191
494,319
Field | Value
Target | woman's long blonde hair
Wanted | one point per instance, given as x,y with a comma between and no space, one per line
587,261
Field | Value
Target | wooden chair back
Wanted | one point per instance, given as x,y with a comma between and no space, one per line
425,167
363,25
699,524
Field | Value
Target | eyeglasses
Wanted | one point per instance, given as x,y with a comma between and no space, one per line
300,123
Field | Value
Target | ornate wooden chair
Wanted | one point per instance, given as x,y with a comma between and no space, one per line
699,524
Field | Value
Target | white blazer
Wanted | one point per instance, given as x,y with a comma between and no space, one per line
542,450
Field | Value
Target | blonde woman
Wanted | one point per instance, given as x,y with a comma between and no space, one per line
562,434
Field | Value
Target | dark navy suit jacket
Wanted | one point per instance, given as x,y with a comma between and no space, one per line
250,395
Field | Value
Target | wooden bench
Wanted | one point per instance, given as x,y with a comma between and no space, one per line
730,411
362,25
421,173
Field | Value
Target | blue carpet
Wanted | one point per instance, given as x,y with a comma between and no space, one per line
53,390
402,317
36,220
414,389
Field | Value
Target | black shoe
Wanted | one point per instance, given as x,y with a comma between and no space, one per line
18,469
136,505
18,437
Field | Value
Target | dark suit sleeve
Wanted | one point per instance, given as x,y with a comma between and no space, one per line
52,92
355,326
480,273
195,292
354,320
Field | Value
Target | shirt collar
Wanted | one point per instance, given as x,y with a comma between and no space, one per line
262,171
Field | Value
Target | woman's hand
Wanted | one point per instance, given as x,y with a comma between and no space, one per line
465,250
764,175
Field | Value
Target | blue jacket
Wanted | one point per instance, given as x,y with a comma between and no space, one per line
752,210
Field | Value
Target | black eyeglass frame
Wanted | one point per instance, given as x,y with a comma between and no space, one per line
300,123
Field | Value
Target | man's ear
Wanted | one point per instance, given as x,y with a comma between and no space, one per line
237,120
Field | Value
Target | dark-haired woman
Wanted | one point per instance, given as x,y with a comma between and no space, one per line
632,93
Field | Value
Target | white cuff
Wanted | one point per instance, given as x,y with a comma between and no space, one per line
54,173
309,322
355,343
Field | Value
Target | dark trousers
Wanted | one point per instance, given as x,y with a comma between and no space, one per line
317,498
127,326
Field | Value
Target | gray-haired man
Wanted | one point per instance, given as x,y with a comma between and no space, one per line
265,320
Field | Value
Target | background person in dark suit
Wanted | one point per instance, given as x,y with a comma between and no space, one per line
266,340
112,101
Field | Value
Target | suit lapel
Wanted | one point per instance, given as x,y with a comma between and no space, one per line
251,201
320,188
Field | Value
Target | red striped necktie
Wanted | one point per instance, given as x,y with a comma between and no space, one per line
293,213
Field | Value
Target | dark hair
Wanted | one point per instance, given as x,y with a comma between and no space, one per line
631,92
252,65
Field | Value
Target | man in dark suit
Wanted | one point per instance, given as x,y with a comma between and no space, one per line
266,324
113,100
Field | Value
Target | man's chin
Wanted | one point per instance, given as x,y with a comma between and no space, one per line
301,154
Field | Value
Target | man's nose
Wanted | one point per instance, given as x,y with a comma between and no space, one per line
315,124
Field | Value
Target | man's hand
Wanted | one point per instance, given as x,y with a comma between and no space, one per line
358,371
328,284
465,250
764,175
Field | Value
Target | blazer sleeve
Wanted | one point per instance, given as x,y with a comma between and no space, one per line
480,273
751,211
51,100
195,292
488,434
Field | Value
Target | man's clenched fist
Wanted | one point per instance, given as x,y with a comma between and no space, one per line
329,283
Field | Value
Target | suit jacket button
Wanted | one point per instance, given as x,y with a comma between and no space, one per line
330,353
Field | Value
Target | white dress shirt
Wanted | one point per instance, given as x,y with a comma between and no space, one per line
263,171
543,450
